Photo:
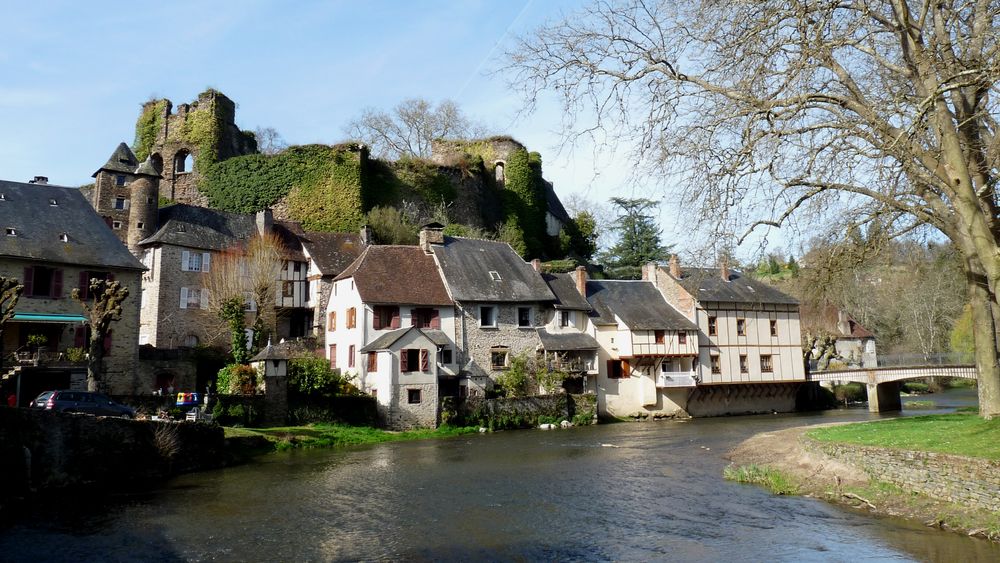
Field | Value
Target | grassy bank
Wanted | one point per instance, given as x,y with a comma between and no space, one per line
776,481
322,435
959,434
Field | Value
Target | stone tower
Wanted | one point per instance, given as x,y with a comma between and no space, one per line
126,195
182,144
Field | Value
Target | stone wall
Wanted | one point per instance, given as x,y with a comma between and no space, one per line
520,412
477,342
952,478
403,415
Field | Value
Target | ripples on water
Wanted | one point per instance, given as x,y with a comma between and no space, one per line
621,492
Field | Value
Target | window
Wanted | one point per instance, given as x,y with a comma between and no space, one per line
350,356
287,289
140,225
618,369
333,356
53,202
495,275
446,356
682,338
660,336
385,316
331,321
744,365
712,326
409,360
183,162
120,181
11,232
296,267
488,316
194,298
413,396
741,327
86,276
195,261
498,357
774,327
716,364
372,361
249,304
352,318
121,203
565,319
425,318
116,225
766,366
524,316
40,281
63,237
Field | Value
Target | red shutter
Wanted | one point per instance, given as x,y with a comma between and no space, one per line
79,337
394,322
377,318
28,281
84,286
57,283
425,360
404,360
435,319
626,370
107,343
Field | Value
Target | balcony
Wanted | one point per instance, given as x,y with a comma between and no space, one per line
573,365
677,379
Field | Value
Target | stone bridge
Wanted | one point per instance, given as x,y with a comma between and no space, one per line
883,382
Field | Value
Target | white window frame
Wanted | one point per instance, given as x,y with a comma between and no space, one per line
194,298
195,261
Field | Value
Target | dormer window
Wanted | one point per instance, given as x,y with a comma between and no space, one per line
494,275
120,180
11,232
3,197
63,237
53,202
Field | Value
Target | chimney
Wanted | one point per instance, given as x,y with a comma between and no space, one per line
431,233
649,271
580,277
536,264
40,180
366,235
843,325
724,268
675,267
265,221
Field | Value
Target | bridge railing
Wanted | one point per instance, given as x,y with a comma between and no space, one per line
940,359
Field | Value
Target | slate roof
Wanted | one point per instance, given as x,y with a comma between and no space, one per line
201,227
564,288
397,274
827,317
147,169
288,232
467,265
385,341
26,208
332,252
706,284
637,303
122,160
286,350
555,206
566,340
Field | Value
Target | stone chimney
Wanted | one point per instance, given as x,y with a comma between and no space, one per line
366,235
40,180
536,264
843,325
580,277
724,268
265,221
649,271
675,267
431,233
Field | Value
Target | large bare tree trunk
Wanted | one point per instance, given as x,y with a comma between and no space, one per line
984,329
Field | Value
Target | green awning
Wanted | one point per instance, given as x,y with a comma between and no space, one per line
45,318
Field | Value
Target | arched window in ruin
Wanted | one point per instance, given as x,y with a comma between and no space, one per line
183,162
498,170
157,161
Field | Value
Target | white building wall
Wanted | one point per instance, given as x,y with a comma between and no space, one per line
344,296
785,348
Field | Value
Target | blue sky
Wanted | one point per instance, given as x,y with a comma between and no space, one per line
74,76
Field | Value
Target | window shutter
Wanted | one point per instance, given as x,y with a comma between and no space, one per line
611,368
57,283
333,356
184,298
84,285
425,360
377,318
626,369
435,319
206,258
204,299
394,322
79,336
350,356
185,258
28,281
404,360
107,343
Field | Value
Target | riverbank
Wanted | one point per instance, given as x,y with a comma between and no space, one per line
789,458
252,441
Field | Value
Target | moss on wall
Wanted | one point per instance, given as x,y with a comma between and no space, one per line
524,199
333,203
147,127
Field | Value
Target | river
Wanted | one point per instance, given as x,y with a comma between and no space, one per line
623,492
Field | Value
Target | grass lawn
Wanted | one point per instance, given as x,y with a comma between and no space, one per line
323,435
960,434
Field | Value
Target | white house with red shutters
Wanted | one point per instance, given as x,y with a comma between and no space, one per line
390,323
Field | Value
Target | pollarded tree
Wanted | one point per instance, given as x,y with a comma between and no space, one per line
10,293
103,306
858,111
638,238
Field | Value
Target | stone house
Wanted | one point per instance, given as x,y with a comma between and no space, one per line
500,303
854,344
567,343
53,242
372,306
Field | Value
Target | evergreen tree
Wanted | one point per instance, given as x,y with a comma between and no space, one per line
638,239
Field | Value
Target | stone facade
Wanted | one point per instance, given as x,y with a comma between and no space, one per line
958,479
478,343
164,323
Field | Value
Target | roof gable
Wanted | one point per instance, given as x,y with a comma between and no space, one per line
201,227
332,252
486,270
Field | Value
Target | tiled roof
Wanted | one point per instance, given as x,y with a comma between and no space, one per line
637,303
332,252
385,341
486,270
201,227
122,160
397,274
706,284
567,296
38,224
566,340
827,318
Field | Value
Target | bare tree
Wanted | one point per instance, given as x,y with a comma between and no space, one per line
10,293
409,128
103,306
269,141
241,285
860,111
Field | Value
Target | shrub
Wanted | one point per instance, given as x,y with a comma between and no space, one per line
76,355
850,393
314,377
237,379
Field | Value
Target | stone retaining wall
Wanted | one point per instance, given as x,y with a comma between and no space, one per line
953,478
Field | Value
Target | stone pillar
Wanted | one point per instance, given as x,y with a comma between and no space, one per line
275,400
884,397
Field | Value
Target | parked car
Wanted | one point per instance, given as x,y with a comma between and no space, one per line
82,402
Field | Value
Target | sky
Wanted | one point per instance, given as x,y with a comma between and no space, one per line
75,77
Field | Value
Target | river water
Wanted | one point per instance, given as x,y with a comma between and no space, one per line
623,492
